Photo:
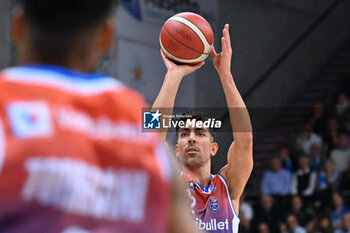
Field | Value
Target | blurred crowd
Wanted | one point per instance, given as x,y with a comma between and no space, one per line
307,188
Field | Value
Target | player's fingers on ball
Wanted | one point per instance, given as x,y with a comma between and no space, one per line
162,55
166,60
197,66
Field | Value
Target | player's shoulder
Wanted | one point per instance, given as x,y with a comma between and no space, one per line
62,78
219,178
98,89
132,96
71,81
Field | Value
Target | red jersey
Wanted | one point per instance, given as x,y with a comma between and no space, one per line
73,157
212,206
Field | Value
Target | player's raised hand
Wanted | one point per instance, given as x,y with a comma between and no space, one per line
181,70
222,61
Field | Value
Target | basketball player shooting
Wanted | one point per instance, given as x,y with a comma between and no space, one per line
215,206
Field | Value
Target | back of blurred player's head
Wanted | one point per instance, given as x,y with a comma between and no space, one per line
55,29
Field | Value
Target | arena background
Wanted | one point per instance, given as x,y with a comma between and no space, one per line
279,49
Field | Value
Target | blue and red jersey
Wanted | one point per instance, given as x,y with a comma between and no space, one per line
212,205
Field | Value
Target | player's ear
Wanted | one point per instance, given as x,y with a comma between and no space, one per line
214,148
107,35
18,26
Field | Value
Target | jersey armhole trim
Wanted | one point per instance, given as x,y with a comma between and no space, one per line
2,145
228,194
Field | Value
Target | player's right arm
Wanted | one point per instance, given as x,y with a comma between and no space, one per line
167,94
181,218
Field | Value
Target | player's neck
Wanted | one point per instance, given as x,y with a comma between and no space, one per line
75,63
201,175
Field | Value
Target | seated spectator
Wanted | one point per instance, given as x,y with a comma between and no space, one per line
328,180
318,120
267,212
340,155
307,139
299,212
315,157
304,179
284,154
345,224
323,224
344,186
338,210
342,104
277,181
331,136
246,214
263,228
346,121
293,225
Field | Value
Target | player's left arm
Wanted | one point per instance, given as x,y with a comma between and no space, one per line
240,154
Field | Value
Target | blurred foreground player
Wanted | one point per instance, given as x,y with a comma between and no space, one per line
72,155
214,198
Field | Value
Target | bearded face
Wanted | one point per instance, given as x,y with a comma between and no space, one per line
195,147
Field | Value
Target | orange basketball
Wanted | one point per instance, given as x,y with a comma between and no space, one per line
186,38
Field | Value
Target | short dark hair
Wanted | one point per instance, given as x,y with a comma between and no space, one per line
55,25
199,116
66,16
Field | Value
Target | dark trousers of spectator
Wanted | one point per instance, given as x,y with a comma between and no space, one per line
283,202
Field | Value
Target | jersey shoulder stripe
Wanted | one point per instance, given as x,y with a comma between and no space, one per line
228,194
61,78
